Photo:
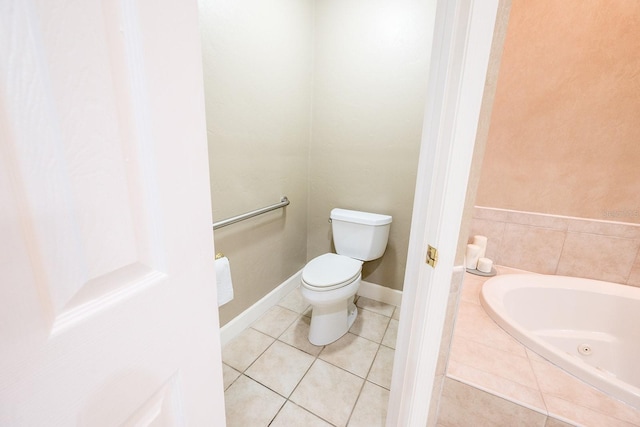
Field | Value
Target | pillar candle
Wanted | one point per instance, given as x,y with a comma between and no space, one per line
471,256
482,242
485,265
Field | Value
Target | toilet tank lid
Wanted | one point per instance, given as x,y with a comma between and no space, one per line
366,218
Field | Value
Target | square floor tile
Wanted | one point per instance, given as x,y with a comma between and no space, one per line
370,325
298,336
248,403
292,415
328,392
376,306
275,321
244,349
351,352
371,408
280,368
382,367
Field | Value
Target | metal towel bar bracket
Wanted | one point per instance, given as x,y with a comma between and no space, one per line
283,202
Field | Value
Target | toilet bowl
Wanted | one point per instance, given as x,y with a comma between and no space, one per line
330,281
329,284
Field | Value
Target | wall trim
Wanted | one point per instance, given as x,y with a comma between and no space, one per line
380,293
253,313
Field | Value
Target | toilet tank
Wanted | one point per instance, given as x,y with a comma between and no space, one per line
360,235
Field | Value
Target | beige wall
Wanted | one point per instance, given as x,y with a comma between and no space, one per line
369,95
322,102
565,129
257,67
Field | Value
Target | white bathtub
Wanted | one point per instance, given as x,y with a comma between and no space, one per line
587,327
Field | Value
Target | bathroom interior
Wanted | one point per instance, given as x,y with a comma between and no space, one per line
323,101
319,101
557,194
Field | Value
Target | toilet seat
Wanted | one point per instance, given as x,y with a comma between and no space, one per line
330,271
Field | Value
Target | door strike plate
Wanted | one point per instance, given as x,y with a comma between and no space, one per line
432,256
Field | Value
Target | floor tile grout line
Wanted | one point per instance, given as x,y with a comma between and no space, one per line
366,377
302,378
538,388
263,351
385,330
372,362
277,413
287,398
356,402
301,407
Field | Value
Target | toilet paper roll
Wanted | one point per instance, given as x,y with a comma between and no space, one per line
471,256
223,280
485,265
482,242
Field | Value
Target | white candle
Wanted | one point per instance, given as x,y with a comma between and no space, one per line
485,265
471,256
482,242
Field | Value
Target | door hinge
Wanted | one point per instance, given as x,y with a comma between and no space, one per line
432,256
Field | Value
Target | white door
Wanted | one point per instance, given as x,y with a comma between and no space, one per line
460,54
108,311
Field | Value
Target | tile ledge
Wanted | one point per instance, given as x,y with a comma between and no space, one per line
560,217
506,397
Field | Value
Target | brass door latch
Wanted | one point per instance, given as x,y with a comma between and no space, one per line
432,256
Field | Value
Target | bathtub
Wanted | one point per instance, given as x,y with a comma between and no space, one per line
589,328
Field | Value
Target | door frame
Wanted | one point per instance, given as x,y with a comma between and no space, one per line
462,40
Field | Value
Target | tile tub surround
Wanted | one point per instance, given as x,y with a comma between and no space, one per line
552,244
275,377
492,379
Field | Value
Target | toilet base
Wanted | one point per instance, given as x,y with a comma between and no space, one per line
329,323
352,313
332,312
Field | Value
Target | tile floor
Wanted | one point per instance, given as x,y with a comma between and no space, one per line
274,377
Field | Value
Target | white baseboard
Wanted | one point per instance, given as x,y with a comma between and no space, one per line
253,313
380,293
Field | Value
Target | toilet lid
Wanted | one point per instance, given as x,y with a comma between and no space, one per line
331,271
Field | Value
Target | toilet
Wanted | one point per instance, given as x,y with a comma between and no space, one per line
330,281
